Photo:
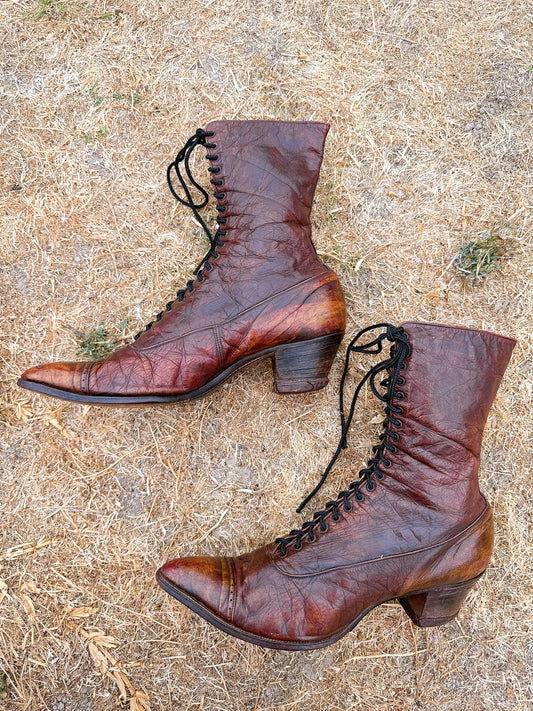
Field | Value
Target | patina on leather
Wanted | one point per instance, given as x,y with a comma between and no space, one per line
422,533
265,290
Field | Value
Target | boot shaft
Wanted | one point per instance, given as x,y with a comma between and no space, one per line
269,168
451,379
267,172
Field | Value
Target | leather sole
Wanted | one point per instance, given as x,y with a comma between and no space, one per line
298,367
447,597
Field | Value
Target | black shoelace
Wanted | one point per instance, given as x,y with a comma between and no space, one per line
198,139
394,364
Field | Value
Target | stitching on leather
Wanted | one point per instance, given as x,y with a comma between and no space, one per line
331,277
218,343
85,378
457,538
232,582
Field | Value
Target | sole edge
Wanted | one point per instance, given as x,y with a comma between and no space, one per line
133,400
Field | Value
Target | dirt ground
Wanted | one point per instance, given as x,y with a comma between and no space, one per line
430,105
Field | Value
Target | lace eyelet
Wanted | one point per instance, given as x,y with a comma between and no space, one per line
380,475
395,436
401,381
324,528
311,540
359,496
387,463
335,516
393,449
297,546
399,395
370,486
348,508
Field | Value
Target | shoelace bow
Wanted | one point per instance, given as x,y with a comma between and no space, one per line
198,139
399,351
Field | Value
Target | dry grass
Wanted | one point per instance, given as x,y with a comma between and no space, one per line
430,148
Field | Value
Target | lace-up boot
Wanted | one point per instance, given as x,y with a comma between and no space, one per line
260,292
413,526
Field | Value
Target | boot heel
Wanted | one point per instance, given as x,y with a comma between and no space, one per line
304,367
437,606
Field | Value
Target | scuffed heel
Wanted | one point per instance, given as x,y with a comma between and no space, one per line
438,605
303,367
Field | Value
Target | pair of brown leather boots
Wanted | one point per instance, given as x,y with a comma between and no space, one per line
413,525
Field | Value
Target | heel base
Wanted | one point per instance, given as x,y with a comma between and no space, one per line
427,621
288,387
437,606
304,366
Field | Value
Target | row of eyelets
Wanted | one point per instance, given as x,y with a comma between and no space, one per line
399,352
197,139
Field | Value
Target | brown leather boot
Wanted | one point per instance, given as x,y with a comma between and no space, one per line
260,291
414,526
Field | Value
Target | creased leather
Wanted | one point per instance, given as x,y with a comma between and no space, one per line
267,287
424,525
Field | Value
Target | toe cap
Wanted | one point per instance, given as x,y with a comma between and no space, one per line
63,376
208,580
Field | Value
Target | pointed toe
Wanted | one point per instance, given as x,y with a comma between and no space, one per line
55,378
200,580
